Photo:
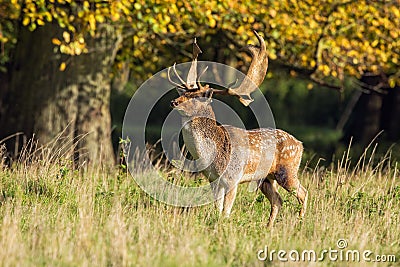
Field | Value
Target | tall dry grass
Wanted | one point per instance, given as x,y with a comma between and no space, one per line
52,214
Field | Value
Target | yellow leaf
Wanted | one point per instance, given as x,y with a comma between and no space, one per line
394,33
135,39
100,18
56,41
325,70
240,30
171,28
64,49
272,56
62,66
137,53
25,21
66,37
114,17
213,22
78,50
392,83
310,86
92,21
40,22
396,11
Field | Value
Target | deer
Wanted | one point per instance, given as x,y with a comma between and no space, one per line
232,155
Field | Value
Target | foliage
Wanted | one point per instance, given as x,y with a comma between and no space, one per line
326,37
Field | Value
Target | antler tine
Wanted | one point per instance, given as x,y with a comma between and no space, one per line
233,83
198,78
202,72
179,77
261,41
171,81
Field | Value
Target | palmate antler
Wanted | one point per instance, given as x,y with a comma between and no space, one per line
254,78
256,73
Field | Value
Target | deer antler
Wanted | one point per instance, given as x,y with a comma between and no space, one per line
171,81
255,74
191,81
192,74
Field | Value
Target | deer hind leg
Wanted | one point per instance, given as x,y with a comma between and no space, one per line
287,178
270,190
302,197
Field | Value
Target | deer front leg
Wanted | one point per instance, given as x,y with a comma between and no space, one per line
270,190
219,194
229,199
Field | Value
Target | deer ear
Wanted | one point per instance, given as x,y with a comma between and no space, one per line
208,93
180,90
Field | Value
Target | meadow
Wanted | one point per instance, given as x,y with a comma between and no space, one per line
54,215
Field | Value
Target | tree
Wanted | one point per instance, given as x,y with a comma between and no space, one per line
325,40
50,93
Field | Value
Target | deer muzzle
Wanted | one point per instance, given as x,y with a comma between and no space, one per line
174,103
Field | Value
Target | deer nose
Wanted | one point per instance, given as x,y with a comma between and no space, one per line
174,103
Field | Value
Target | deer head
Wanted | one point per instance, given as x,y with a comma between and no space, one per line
192,90
194,103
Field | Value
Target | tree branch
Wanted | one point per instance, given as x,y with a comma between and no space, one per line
325,84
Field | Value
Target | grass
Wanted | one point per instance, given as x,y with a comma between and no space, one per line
53,215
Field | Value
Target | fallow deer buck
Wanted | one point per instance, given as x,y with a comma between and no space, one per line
234,155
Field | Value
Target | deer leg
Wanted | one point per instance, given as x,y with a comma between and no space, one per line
219,193
289,181
229,200
302,197
270,190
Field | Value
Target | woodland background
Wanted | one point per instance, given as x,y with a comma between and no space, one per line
68,68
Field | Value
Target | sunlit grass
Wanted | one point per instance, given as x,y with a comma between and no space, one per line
53,215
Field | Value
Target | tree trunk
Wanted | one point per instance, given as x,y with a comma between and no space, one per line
390,114
44,102
371,118
365,122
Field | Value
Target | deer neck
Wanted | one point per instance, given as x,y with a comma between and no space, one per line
200,135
